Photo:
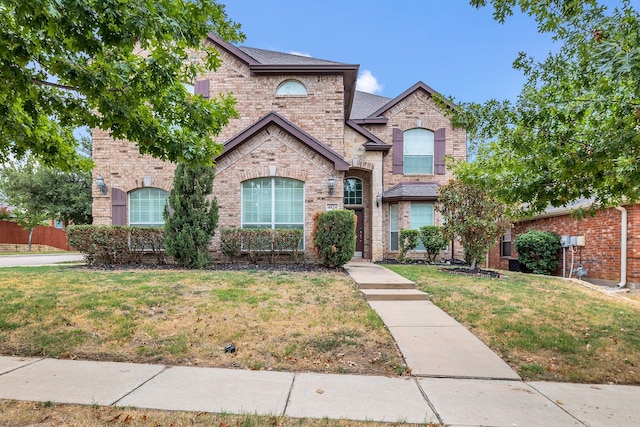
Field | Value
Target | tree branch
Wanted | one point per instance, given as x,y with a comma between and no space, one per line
56,85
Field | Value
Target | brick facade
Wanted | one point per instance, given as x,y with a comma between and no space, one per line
601,253
279,152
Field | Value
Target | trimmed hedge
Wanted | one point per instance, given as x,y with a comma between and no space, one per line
408,242
117,245
334,237
258,242
434,241
538,250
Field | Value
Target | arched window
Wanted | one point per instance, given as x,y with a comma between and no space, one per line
146,206
273,203
352,191
418,152
291,88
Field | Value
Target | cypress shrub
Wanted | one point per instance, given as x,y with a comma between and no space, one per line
334,237
191,218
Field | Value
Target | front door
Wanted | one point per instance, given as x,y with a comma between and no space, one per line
359,232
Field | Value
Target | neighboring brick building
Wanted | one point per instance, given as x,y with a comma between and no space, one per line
604,243
301,126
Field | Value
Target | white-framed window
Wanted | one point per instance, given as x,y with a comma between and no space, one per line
421,215
418,152
291,88
352,191
393,227
146,207
273,203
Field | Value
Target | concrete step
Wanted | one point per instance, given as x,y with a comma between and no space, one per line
394,295
408,285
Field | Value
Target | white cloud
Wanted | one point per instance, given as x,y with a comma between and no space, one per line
300,54
368,83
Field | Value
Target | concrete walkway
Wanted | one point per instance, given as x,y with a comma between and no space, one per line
456,381
38,259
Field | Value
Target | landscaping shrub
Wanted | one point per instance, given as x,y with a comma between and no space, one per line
538,250
433,240
408,242
261,241
191,221
334,237
113,245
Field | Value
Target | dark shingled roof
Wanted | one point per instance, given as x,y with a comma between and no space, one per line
269,57
366,103
412,191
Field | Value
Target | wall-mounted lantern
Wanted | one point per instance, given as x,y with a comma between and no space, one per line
331,183
101,184
378,200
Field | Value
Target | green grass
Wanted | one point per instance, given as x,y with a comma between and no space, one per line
277,320
546,328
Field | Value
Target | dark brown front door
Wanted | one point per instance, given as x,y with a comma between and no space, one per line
359,232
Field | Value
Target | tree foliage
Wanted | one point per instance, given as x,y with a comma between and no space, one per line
472,216
191,217
574,130
47,192
118,66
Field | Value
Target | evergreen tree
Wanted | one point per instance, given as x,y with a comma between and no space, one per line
191,217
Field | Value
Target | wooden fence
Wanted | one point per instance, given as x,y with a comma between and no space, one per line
12,233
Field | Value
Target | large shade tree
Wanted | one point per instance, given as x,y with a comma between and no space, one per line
574,130
115,65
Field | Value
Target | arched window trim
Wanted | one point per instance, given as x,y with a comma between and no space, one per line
418,159
285,88
356,195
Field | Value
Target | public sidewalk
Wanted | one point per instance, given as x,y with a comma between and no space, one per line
456,380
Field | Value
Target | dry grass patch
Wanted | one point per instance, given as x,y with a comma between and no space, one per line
32,414
544,327
312,321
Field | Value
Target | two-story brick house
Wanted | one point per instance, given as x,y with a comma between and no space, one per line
305,142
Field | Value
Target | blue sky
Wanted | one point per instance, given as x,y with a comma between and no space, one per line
456,49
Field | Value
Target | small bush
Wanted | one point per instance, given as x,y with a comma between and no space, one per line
408,242
433,240
113,245
261,241
538,250
334,237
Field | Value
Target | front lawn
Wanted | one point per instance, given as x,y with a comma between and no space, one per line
544,327
293,321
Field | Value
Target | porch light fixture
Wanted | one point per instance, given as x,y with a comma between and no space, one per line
331,183
101,184
378,200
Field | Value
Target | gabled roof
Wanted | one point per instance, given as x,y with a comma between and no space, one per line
412,191
273,118
374,143
262,62
377,116
270,57
366,103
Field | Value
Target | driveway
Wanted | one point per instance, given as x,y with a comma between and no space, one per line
34,260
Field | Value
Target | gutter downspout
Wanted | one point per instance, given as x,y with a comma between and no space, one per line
623,247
